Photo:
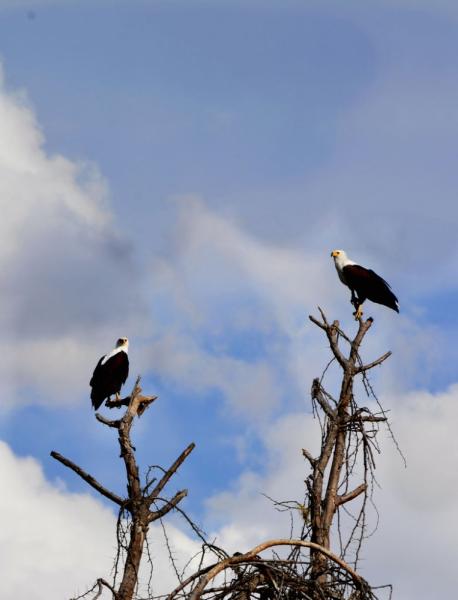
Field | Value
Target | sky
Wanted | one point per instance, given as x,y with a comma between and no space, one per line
178,172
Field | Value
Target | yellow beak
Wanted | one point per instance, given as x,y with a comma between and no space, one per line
334,253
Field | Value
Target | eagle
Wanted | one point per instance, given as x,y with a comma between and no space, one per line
363,283
110,373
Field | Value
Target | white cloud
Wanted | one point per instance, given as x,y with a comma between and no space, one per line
58,543
219,291
242,517
249,386
417,531
216,257
424,423
65,269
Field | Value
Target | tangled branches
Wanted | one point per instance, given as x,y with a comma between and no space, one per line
341,476
310,570
268,579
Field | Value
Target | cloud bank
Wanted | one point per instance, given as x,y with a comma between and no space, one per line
66,270
58,543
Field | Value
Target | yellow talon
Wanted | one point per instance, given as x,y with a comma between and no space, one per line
359,313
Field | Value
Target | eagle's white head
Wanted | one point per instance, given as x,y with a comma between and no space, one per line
341,259
123,343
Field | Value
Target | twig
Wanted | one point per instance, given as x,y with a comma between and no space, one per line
171,471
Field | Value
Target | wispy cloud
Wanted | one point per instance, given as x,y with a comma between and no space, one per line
221,290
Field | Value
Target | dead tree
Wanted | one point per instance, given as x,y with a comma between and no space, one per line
346,430
311,570
143,503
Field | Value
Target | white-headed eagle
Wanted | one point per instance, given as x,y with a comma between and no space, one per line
110,373
363,283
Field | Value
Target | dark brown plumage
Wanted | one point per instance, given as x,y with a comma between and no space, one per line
110,374
368,285
363,283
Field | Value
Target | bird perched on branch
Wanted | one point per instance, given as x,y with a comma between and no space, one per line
363,283
110,373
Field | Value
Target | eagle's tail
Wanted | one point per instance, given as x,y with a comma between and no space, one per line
97,400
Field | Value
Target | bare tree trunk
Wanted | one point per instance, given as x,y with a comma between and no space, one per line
138,531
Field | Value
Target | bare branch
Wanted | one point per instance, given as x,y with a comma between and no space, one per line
323,316
317,394
108,422
101,582
364,327
318,323
309,457
372,419
171,471
379,361
88,479
170,504
351,495
332,332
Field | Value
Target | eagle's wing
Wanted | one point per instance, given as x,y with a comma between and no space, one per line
368,284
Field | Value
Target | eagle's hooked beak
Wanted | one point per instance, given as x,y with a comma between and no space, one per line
335,253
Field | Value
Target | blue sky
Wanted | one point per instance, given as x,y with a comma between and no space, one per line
178,172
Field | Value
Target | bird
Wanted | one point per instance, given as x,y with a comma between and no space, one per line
364,284
110,373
